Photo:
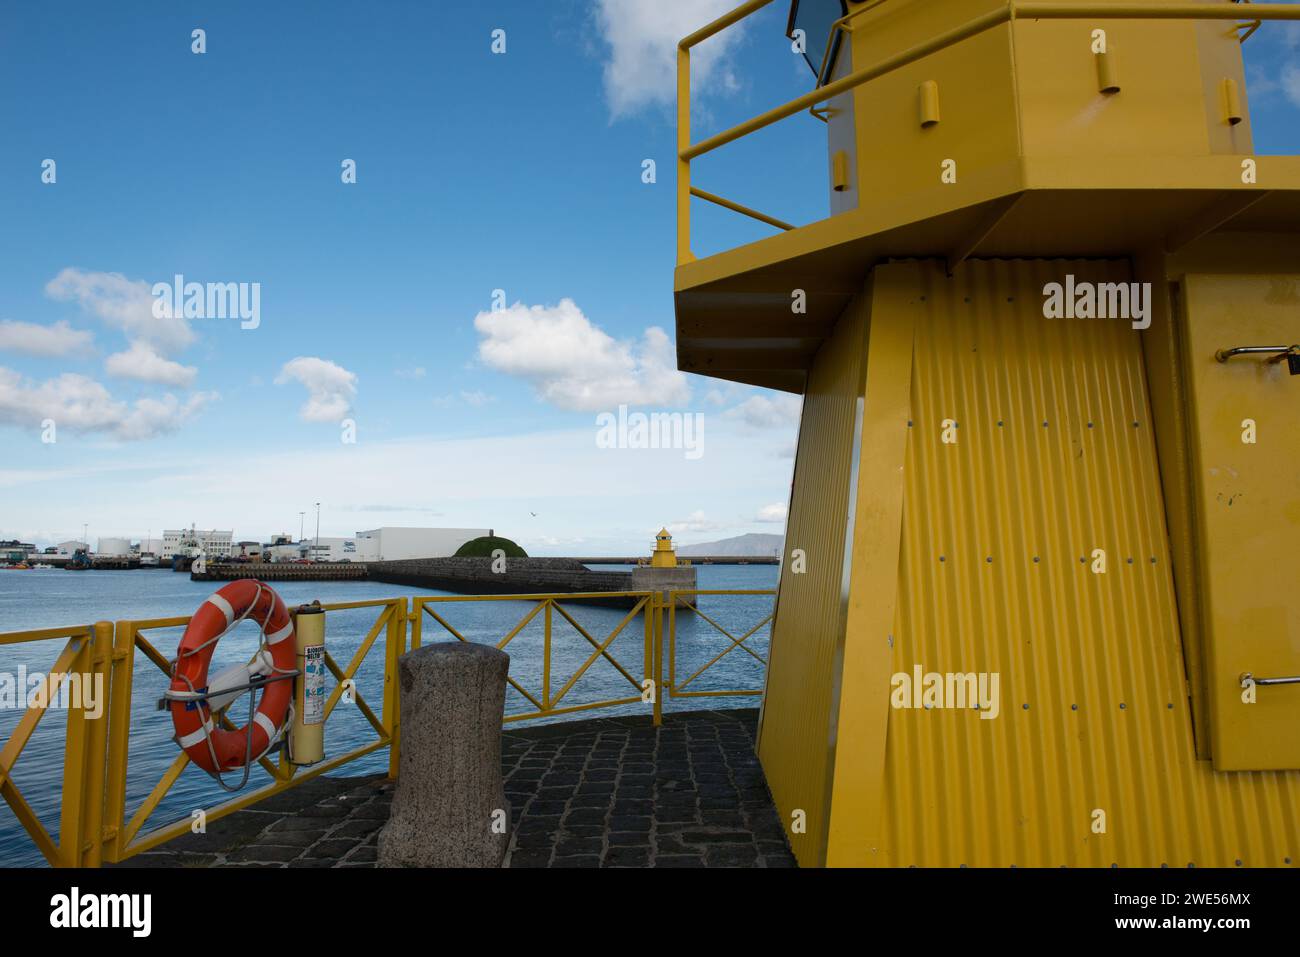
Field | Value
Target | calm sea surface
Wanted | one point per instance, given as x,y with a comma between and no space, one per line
49,598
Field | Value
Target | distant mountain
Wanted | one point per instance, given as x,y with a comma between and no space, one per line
742,545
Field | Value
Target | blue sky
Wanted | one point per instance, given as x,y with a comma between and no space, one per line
476,172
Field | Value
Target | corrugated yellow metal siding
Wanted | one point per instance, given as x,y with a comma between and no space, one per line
794,740
1055,458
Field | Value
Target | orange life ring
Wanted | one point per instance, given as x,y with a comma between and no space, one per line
196,732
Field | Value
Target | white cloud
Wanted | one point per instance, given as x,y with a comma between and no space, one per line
764,412
150,417
330,387
642,36
32,339
141,363
1291,83
771,513
124,304
698,522
79,404
577,366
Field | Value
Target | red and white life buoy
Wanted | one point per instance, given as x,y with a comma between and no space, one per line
192,702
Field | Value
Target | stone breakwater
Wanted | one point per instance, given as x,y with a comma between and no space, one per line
513,576
474,576
280,572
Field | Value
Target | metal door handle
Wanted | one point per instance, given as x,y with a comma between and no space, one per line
1290,353
1223,355
1247,676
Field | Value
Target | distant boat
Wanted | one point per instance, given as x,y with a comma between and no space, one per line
19,566
148,560
42,566
79,562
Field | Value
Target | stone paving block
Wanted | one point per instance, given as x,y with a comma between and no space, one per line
271,853
627,857
619,794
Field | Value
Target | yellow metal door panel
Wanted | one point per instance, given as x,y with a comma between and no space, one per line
797,729
1245,445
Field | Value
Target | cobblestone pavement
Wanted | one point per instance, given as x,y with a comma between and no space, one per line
607,792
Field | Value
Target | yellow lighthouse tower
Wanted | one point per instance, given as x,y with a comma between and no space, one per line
1046,486
664,555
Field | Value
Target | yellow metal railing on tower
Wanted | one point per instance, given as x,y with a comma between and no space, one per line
1249,17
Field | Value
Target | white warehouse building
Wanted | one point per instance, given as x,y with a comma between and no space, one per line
393,544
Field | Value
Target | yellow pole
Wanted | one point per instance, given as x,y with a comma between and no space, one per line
656,638
684,254
546,661
100,654
119,734
307,733
394,648
72,819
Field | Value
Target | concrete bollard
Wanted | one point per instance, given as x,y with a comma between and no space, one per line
449,806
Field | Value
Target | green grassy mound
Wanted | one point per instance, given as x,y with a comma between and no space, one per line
485,546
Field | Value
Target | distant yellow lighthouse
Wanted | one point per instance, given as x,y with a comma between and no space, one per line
664,555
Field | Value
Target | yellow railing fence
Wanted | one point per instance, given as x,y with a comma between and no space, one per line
123,838
546,701
96,825
85,656
688,602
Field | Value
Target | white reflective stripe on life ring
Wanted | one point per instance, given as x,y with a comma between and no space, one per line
280,635
194,737
216,601
263,722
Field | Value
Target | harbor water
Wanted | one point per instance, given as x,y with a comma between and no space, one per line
40,598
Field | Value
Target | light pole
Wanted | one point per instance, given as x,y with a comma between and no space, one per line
302,520
316,550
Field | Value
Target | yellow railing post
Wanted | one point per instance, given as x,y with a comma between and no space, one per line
72,817
119,734
394,648
546,661
657,650
672,640
684,254
99,659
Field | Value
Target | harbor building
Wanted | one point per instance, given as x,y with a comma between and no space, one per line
282,548
331,549
213,543
390,544
67,549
